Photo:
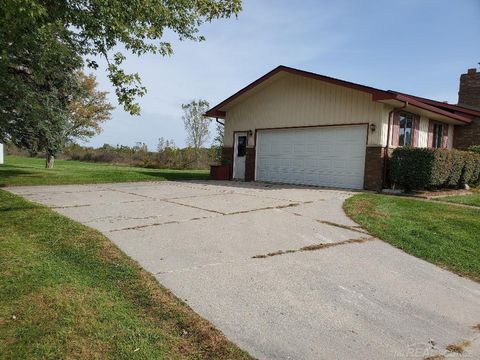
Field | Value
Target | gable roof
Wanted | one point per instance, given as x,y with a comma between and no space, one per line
453,112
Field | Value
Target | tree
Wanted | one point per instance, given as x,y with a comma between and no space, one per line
164,144
46,120
196,125
46,42
88,109
218,141
38,76
92,29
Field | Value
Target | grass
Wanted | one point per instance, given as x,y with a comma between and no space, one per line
66,292
445,235
471,199
31,171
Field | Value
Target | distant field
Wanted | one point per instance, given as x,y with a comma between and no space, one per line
31,171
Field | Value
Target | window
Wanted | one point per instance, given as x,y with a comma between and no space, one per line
241,146
406,130
438,129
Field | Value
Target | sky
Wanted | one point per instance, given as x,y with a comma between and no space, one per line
415,46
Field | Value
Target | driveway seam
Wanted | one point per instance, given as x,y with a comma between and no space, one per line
197,267
161,223
315,247
348,227
87,205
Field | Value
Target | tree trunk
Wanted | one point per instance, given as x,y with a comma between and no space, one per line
49,161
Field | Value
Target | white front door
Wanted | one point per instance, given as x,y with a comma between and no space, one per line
324,156
239,155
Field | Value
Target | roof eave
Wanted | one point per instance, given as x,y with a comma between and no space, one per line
419,104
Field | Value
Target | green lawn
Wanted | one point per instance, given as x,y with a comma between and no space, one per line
31,171
444,235
66,292
472,199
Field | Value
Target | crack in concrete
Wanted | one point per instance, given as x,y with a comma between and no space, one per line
160,224
199,267
58,192
194,207
315,247
175,198
86,205
347,227
196,218
264,208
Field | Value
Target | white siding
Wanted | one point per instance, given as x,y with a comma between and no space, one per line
450,136
423,132
293,101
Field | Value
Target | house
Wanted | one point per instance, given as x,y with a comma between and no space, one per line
1,154
294,126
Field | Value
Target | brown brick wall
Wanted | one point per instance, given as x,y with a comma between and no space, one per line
469,92
227,159
250,165
465,136
468,95
374,168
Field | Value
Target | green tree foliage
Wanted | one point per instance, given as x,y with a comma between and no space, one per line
196,125
37,35
218,142
72,109
45,43
88,110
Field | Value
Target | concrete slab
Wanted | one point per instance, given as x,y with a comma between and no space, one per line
168,191
223,239
46,189
331,212
112,217
348,301
82,198
359,301
232,203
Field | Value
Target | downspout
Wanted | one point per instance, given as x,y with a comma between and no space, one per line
385,152
219,122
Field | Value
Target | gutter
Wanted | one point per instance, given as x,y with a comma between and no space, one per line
385,151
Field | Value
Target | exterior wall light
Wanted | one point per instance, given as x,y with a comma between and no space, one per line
373,127
250,133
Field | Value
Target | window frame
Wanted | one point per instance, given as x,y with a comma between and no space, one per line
439,142
408,117
242,148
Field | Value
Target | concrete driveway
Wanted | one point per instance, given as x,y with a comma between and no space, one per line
280,269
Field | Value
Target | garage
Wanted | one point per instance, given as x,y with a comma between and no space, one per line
332,156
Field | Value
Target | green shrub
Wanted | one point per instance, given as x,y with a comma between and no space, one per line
434,168
475,149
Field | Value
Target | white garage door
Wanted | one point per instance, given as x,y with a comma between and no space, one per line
324,156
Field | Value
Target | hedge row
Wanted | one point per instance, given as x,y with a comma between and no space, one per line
475,149
417,168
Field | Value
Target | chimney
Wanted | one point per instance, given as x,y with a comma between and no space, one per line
469,93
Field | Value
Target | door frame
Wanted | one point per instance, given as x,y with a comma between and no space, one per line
235,133
367,124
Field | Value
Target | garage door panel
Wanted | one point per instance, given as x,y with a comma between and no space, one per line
333,156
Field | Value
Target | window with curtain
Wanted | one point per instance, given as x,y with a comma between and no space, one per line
438,129
406,130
